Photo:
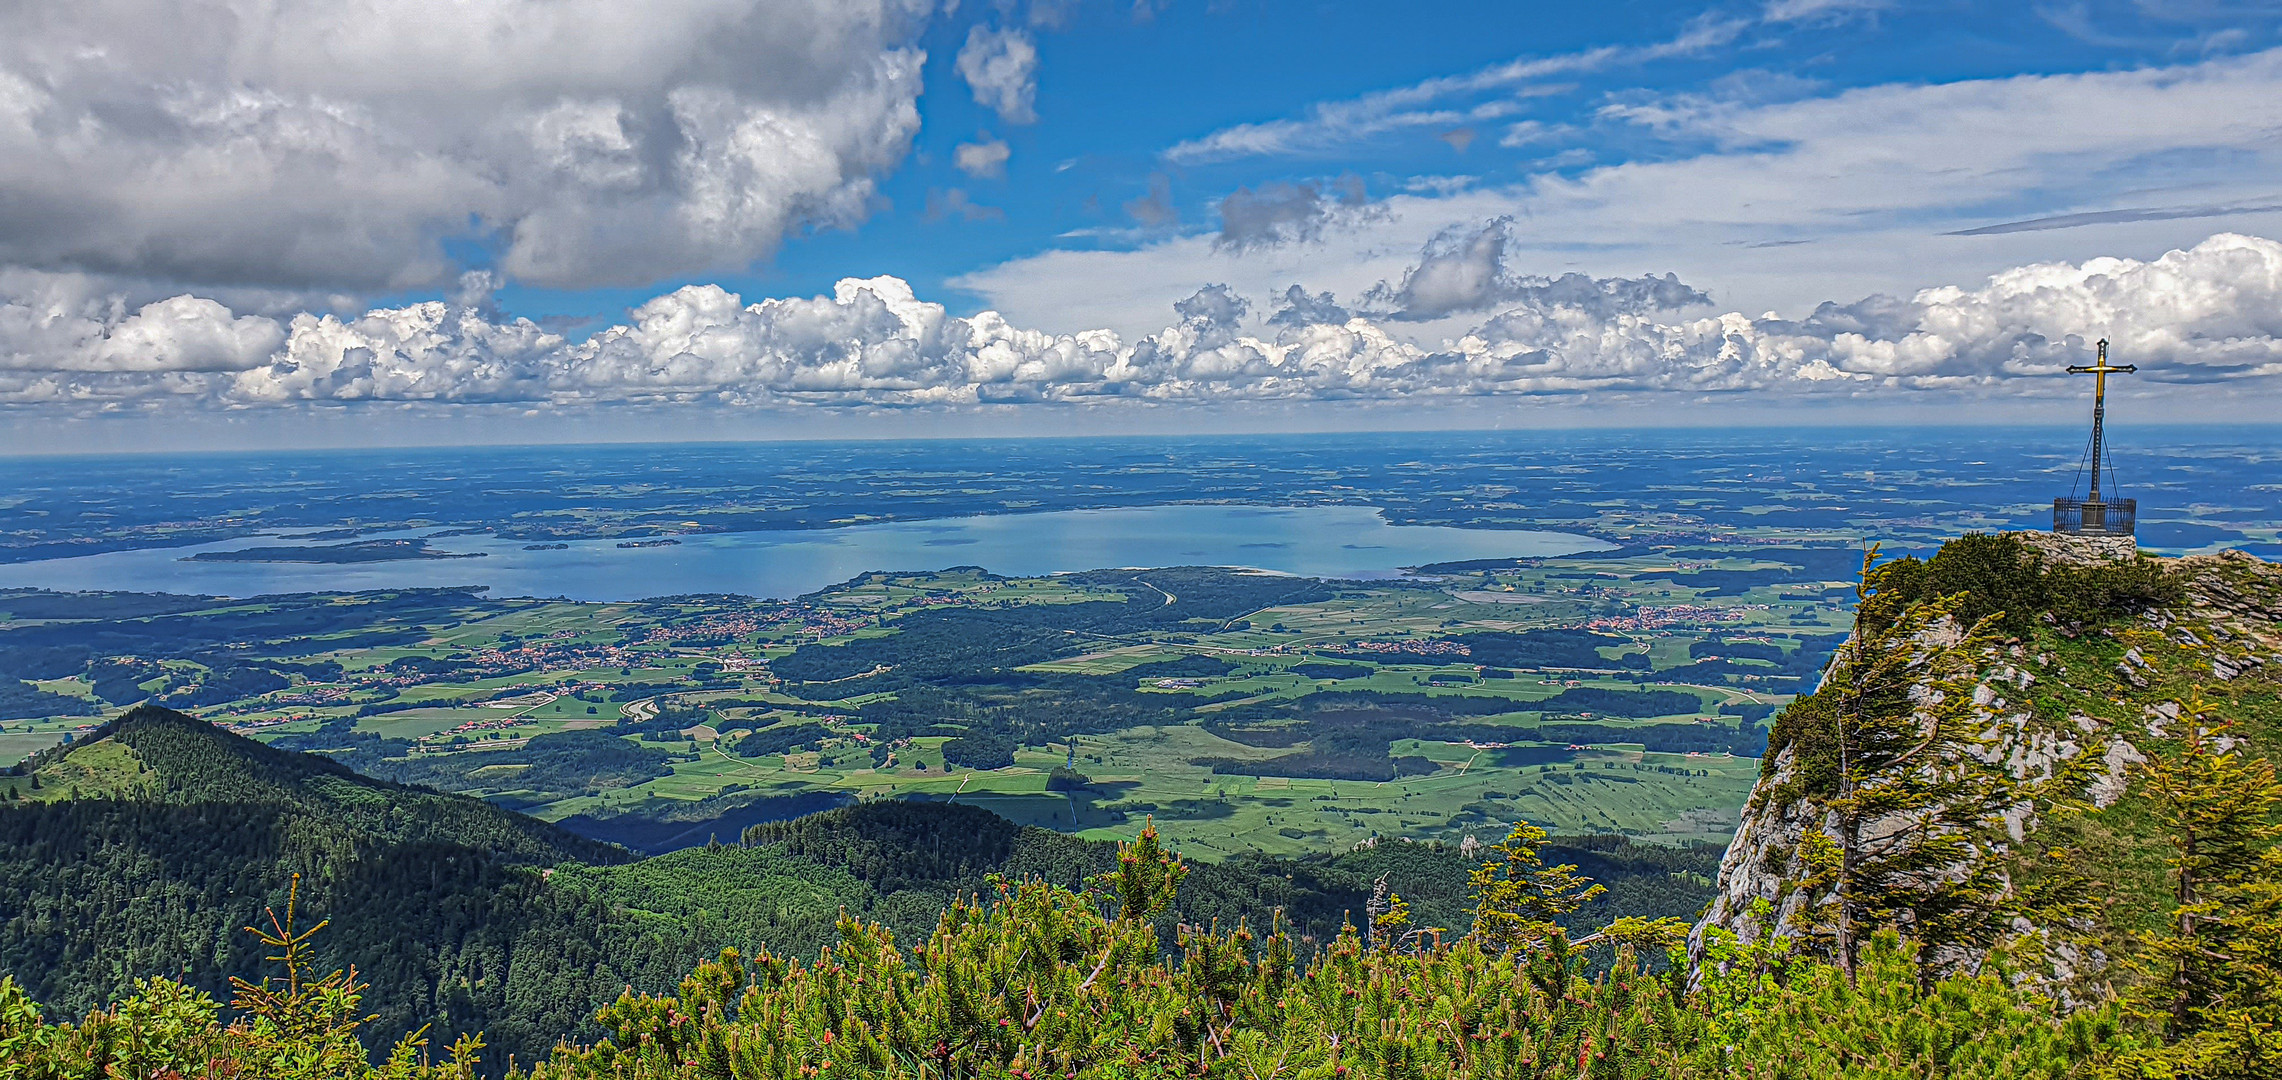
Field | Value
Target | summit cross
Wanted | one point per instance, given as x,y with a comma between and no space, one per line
2102,369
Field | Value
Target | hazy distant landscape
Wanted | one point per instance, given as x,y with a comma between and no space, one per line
2203,487
1588,631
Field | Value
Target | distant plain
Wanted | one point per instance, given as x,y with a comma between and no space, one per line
1598,625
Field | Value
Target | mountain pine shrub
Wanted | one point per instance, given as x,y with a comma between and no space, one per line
1038,981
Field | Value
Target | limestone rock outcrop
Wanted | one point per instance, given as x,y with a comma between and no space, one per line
2074,713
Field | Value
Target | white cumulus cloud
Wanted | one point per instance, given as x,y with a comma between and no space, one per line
66,322
2207,314
281,143
1001,67
983,159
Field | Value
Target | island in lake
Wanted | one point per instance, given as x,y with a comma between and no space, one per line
368,551
669,542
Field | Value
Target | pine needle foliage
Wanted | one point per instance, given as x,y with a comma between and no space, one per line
1036,980
2211,980
291,1026
1519,900
295,1025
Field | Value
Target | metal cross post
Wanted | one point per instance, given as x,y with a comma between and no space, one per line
2102,369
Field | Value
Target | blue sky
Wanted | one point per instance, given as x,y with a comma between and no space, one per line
1118,89
791,216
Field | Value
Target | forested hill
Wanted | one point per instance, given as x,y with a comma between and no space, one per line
146,848
908,850
160,757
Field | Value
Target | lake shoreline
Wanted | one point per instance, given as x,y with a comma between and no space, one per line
1339,541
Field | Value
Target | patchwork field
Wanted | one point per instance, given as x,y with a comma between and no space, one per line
1619,692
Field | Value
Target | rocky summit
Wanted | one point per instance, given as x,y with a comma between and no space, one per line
2106,658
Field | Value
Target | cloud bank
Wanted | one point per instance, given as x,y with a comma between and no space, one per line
278,143
2212,313
1764,190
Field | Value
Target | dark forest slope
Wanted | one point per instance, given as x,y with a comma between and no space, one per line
932,850
159,756
147,846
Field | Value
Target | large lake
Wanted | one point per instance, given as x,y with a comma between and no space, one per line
1312,541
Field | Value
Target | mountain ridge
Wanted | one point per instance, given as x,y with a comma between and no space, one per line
2068,709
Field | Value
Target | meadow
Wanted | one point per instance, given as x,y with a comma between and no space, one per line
1175,696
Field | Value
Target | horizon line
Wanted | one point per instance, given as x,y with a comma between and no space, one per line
1057,437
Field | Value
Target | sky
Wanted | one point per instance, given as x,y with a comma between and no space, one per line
238,223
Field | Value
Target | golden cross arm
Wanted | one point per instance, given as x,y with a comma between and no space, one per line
2101,367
